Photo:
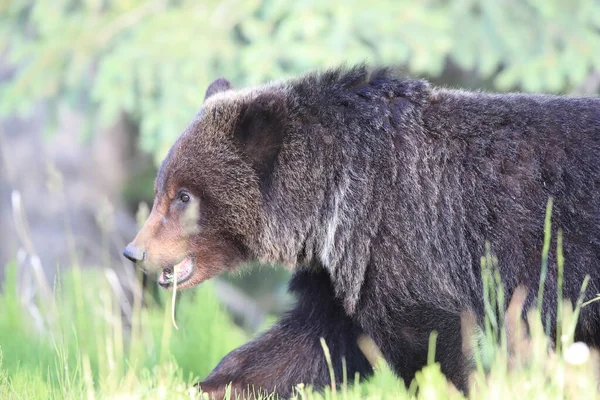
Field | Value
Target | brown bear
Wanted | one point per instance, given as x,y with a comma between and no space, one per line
379,192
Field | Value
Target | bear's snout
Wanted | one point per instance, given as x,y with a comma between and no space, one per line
133,253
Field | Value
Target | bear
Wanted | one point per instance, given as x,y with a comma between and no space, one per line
379,192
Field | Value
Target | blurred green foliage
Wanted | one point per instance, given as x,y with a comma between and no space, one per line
154,59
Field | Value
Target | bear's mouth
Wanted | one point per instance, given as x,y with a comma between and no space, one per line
183,271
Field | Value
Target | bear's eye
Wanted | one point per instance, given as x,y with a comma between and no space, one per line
184,197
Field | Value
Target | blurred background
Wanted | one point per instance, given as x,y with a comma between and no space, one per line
94,92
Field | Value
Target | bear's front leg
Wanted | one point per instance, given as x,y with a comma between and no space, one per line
291,352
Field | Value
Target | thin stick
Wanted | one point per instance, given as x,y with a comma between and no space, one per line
173,298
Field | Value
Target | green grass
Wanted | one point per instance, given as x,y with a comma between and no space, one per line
73,342
82,350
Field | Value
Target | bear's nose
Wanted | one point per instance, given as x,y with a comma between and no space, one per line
133,253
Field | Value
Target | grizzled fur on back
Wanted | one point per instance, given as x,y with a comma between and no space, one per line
381,175
388,188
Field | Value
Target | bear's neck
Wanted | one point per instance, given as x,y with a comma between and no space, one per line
325,202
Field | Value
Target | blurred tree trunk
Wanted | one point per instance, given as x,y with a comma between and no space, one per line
70,191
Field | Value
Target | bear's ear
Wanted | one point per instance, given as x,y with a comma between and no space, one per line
219,85
260,131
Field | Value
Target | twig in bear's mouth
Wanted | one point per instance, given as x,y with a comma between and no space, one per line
174,275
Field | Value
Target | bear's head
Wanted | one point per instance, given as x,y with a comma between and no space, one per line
208,205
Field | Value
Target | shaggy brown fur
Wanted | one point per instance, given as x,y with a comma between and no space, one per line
380,192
